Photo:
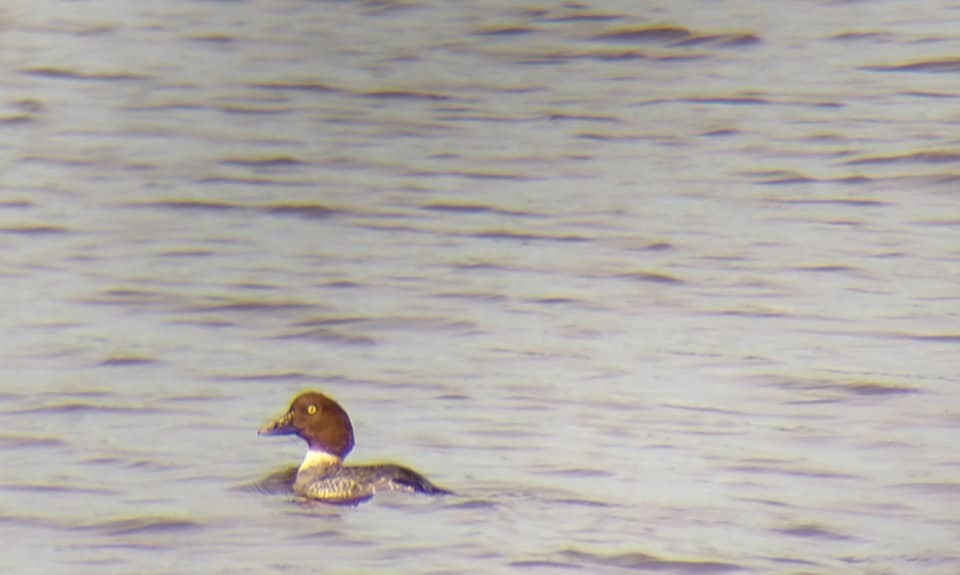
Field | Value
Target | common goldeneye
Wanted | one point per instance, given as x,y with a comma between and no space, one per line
325,426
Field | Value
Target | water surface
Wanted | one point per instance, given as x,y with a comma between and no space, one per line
665,287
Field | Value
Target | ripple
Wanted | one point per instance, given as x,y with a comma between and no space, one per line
814,531
65,74
474,504
126,361
279,376
329,336
29,442
940,66
251,181
644,34
250,306
35,230
723,40
187,253
859,388
129,462
265,162
643,561
675,36
142,525
557,300
534,563
16,119
472,175
564,57
50,488
933,487
127,296
754,313
828,268
557,117
852,202
946,222
937,157
76,407
212,38
651,277
578,502
293,86
577,16
728,100
846,36
471,296
331,320
792,472
279,481
420,323
576,472
472,209
505,31
406,95
16,204
927,337
243,109
878,389
509,235
188,205
305,210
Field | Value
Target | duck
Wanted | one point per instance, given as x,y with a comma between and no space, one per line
322,475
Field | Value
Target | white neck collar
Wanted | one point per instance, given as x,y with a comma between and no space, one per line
319,458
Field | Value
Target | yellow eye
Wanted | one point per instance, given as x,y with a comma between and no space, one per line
311,409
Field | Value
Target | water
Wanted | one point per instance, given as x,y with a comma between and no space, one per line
665,287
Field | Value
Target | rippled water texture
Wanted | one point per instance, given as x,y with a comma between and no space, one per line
663,287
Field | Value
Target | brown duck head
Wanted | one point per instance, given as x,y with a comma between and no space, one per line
318,420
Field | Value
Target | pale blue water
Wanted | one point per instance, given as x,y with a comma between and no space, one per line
665,287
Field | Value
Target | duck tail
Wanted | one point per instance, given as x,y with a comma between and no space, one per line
417,482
